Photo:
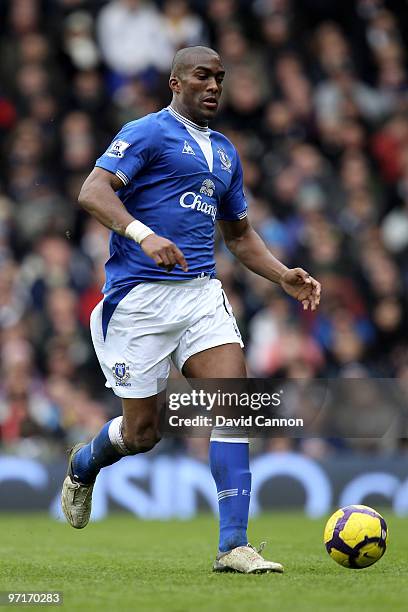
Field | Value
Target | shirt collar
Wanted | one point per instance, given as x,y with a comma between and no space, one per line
186,121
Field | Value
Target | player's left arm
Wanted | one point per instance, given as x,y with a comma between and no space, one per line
247,246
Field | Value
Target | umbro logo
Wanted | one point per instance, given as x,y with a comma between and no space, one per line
188,149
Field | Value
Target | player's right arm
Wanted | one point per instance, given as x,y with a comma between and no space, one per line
98,197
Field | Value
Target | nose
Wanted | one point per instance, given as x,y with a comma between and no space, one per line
212,85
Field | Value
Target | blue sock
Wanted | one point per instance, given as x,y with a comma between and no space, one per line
106,448
229,462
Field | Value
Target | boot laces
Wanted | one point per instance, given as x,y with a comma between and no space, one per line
260,549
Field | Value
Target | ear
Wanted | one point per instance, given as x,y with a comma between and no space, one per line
175,84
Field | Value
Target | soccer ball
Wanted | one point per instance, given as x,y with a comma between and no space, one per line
356,536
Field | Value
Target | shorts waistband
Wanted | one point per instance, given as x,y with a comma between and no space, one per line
191,283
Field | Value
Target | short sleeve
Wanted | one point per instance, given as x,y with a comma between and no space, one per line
128,152
234,205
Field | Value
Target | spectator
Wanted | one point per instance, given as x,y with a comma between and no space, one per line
184,29
133,39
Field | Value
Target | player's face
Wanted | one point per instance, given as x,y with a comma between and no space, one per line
201,88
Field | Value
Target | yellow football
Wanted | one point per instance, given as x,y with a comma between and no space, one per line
356,536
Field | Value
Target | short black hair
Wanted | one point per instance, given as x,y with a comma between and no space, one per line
183,58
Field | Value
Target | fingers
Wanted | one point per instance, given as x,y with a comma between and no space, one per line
160,261
313,298
304,276
180,259
316,291
169,256
316,285
163,260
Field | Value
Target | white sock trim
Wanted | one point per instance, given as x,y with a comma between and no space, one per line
115,436
227,493
231,440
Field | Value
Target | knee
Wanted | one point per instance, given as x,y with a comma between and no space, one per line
140,439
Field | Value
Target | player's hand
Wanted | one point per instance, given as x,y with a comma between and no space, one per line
300,285
163,252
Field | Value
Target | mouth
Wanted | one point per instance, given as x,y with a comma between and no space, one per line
210,103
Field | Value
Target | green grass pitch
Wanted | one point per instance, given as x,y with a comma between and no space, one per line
124,564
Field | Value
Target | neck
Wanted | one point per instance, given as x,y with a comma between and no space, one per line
181,109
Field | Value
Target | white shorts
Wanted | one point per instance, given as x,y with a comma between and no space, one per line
155,323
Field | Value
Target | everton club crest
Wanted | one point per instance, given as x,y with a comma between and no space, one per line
121,373
226,163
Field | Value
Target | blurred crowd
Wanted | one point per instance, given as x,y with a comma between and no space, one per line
316,102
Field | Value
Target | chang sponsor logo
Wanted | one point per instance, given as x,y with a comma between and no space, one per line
195,201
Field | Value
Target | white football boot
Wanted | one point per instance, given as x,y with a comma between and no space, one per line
76,498
245,559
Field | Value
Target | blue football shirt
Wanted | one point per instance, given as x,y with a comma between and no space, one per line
178,178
